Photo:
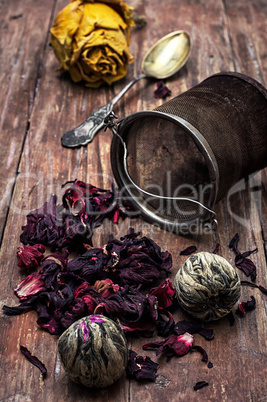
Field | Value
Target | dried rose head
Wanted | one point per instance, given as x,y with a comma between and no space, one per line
91,39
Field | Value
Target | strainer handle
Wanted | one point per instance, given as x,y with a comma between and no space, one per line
86,131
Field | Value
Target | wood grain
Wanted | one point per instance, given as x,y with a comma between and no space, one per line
37,105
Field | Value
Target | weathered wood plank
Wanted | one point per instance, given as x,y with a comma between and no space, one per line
23,39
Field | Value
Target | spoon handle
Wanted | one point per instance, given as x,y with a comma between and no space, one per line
86,131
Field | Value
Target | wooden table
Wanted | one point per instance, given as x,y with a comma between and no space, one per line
37,105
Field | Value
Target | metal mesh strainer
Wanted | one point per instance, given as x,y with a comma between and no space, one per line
177,161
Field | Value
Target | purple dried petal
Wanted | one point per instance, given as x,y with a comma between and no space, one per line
253,285
248,267
215,251
34,360
165,294
234,243
202,351
30,256
29,286
209,365
243,307
193,327
161,90
188,250
174,345
141,368
200,384
165,322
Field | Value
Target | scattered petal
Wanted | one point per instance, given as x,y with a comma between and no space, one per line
30,256
253,285
141,368
34,360
202,351
161,90
189,250
243,307
215,251
193,327
174,345
200,384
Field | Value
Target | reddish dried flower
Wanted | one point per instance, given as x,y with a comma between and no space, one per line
165,294
161,90
30,256
243,307
188,250
141,368
215,251
241,260
29,286
174,345
34,360
71,224
202,351
253,285
106,287
193,327
200,384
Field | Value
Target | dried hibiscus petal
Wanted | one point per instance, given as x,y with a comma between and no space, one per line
136,261
165,322
241,260
193,327
30,256
141,368
29,286
253,285
202,351
188,250
243,307
174,345
165,293
200,384
34,360
161,90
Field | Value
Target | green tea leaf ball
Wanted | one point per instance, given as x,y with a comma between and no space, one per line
93,351
207,286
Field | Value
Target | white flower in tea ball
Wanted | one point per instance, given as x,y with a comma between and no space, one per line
207,286
93,351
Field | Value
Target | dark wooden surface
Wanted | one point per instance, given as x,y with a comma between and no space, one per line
37,105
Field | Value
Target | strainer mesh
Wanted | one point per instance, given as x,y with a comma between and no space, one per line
229,110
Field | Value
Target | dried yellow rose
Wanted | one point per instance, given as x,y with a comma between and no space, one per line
91,39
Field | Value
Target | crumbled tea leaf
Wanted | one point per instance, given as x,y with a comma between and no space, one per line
34,360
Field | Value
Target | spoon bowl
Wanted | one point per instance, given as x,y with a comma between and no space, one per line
167,56
163,59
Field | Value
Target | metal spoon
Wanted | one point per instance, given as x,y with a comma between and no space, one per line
162,60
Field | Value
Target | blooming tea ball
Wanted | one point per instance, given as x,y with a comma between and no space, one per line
93,351
207,286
